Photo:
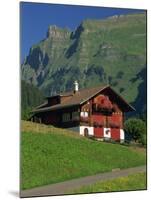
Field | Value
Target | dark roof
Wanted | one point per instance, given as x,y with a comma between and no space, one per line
78,98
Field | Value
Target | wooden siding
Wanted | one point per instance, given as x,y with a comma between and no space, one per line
102,118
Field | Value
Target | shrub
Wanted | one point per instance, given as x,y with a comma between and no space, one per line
143,139
26,113
137,129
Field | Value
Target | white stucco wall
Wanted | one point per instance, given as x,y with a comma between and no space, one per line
105,132
122,135
90,130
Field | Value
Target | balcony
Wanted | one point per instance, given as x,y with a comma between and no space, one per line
98,124
114,124
97,108
91,122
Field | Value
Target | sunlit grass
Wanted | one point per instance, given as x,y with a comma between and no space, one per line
131,182
51,155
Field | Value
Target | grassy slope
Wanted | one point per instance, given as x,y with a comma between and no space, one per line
131,182
59,155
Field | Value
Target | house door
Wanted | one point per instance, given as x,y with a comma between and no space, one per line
86,132
115,134
98,132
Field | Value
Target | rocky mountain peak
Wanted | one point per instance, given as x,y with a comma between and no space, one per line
58,33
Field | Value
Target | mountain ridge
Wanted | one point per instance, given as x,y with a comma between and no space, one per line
108,51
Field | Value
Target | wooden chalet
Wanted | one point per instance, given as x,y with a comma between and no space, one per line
97,112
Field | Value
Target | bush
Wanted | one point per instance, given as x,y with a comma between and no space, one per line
143,139
137,129
26,114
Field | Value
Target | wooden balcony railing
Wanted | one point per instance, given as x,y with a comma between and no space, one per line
98,124
114,124
110,124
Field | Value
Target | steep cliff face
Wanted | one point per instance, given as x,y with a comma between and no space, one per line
43,57
110,51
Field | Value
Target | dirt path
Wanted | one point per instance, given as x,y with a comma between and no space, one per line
64,187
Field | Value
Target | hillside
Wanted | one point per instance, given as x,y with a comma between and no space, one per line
51,155
31,96
109,51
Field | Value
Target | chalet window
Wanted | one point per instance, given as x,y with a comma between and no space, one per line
84,114
107,132
75,116
66,117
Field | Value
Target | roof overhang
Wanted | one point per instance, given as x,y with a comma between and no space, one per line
53,108
125,107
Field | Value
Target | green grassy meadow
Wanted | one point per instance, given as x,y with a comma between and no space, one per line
132,182
51,155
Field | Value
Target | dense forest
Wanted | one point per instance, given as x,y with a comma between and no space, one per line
31,96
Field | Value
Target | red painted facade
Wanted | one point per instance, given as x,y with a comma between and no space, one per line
102,111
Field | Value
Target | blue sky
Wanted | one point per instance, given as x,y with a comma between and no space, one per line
36,17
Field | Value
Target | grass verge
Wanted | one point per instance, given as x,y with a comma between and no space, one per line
128,183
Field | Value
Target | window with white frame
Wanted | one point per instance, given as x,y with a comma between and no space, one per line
84,114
